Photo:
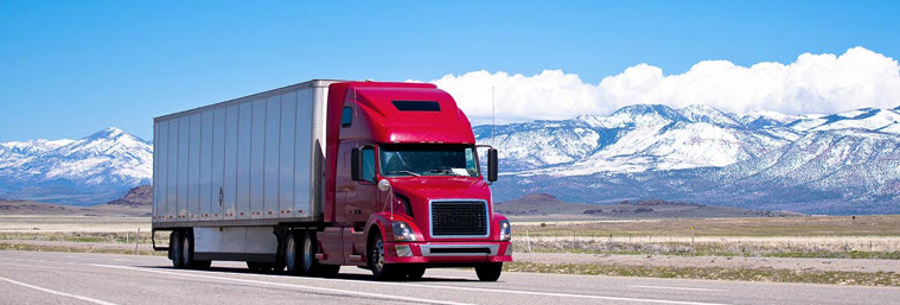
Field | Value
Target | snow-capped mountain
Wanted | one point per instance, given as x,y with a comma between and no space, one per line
841,163
817,163
94,169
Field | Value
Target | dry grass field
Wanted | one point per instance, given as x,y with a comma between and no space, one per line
820,236
71,224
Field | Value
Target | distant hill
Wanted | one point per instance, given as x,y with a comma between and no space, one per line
540,205
140,197
24,207
137,202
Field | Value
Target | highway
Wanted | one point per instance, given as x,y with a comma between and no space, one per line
77,278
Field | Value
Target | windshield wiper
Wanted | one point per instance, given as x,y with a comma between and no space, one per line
403,172
444,171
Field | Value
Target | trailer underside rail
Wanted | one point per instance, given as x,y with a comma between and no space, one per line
153,240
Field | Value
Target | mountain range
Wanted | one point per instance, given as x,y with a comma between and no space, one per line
95,169
844,163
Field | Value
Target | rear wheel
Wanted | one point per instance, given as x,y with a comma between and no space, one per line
309,264
380,270
292,253
489,272
175,251
185,250
187,253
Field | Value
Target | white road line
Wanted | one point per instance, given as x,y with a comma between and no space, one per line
322,289
87,299
677,288
523,292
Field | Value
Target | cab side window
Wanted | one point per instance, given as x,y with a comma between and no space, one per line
368,164
347,117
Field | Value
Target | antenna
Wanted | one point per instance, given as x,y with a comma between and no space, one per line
493,120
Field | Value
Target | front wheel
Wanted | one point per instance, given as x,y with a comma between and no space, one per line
489,272
380,270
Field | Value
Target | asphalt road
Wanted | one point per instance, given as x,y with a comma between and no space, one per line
75,278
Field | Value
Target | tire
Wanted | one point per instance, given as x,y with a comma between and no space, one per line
292,254
175,251
489,272
187,250
381,271
309,264
415,272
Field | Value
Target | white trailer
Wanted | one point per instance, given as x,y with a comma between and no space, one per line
234,170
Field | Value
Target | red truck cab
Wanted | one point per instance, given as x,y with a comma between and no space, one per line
403,186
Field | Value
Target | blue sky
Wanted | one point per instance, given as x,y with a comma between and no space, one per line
70,68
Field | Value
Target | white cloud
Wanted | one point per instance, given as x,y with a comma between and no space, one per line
823,83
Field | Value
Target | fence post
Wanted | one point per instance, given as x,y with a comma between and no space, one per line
137,240
528,241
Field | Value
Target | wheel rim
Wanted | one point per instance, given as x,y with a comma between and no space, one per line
379,254
185,250
307,253
291,254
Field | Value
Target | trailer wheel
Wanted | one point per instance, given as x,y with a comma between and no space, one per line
308,262
380,270
186,255
292,253
175,251
187,250
489,272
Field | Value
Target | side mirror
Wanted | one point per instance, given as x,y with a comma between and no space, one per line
492,164
355,168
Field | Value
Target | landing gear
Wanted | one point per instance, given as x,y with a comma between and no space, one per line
489,272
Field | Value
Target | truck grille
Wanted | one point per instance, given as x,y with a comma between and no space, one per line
459,218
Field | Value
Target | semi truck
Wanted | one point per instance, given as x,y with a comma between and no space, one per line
314,176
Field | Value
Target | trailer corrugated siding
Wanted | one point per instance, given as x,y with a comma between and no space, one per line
255,160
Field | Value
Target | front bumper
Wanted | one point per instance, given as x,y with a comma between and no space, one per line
448,252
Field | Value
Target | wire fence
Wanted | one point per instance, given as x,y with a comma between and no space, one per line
812,246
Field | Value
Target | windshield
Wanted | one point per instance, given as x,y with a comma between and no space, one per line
399,160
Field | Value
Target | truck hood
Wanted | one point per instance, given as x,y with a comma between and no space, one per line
422,189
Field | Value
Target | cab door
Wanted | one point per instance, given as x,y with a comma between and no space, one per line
362,199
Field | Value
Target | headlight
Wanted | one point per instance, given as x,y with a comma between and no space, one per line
402,232
505,231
